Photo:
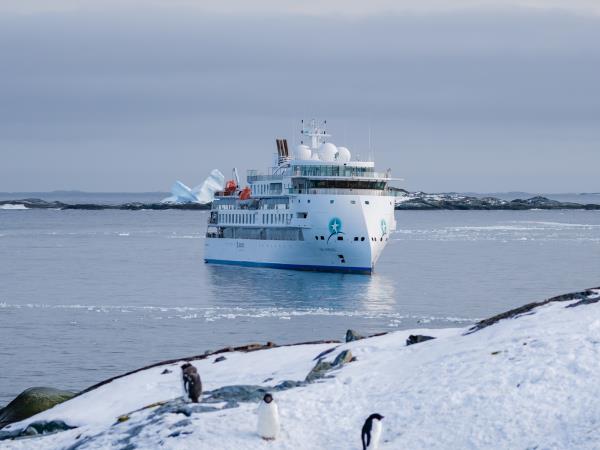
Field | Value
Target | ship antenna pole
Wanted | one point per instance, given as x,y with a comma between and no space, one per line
370,154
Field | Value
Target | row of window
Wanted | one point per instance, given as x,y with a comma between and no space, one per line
267,189
356,238
251,219
332,170
333,201
252,204
265,234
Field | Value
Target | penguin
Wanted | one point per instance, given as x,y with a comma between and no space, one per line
268,418
371,432
192,386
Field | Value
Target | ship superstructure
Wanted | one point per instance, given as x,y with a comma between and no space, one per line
315,209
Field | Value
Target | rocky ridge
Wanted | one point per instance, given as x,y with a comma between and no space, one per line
419,201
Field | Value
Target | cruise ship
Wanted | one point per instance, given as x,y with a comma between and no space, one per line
316,209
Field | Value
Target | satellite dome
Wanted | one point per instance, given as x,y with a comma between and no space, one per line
327,152
303,152
343,155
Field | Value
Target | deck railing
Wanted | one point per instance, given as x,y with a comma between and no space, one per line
340,191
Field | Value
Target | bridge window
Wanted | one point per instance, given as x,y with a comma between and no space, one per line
346,184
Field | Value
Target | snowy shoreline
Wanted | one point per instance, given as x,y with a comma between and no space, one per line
522,379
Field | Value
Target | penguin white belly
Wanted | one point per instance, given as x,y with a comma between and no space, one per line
268,420
375,435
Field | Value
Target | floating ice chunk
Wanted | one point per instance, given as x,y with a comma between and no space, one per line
204,193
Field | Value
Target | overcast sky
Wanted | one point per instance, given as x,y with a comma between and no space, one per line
459,95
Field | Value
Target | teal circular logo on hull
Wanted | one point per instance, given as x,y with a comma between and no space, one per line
335,226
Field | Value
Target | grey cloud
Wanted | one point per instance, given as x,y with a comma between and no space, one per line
455,101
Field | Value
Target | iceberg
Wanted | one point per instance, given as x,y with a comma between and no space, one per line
203,193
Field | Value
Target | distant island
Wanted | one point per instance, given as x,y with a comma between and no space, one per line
405,200
422,201
36,203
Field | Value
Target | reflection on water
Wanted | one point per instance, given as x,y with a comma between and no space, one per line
261,287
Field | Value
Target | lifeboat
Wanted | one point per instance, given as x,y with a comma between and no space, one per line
230,187
246,193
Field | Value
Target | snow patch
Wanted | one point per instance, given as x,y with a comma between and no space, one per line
15,206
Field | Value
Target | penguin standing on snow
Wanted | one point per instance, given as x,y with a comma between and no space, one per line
192,386
371,432
268,418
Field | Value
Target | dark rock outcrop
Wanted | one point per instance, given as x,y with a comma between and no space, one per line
36,203
417,338
30,402
423,201
322,368
352,335
324,353
584,297
36,429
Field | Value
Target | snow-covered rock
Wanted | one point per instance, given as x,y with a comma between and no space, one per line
423,201
526,379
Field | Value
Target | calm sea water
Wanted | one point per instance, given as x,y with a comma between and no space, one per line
85,295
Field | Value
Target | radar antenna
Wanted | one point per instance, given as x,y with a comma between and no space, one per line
316,132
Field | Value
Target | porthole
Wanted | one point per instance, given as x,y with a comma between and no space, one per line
366,202
340,238
362,238
356,238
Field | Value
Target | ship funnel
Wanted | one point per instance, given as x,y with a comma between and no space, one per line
283,153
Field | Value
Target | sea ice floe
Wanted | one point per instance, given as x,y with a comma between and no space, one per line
203,193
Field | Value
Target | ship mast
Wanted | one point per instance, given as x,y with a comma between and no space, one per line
316,132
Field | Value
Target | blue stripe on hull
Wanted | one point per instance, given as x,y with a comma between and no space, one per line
360,270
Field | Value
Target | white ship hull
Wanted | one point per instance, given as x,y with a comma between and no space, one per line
344,233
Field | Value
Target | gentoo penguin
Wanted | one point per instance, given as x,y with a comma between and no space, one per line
371,432
192,386
268,418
